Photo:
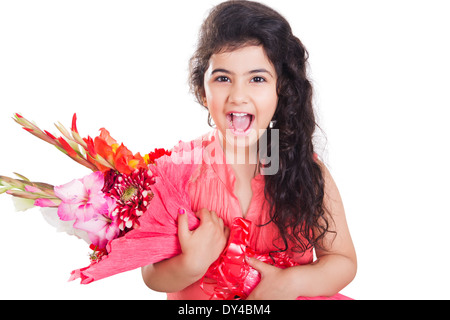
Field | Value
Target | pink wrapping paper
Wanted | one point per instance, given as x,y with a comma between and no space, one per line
156,239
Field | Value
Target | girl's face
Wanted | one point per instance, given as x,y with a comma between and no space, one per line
241,93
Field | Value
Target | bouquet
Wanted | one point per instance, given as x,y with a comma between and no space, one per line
126,210
99,207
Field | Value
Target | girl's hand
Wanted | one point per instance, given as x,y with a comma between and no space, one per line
202,246
276,283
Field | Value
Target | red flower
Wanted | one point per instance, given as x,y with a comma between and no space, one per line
158,153
118,156
67,147
74,123
132,194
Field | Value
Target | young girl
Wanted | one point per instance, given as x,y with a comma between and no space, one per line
249,71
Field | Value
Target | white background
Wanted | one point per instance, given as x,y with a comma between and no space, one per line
381,74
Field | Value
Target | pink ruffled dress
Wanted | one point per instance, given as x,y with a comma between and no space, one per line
212,187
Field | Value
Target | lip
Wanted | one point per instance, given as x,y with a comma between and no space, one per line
236,132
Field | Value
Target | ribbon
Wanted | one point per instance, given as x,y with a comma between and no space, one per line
230,277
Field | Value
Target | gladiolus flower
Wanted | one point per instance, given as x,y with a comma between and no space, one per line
51,136
90,146
104,134
74,123
47,203
117,156
67,147
102,228
82,199
126,162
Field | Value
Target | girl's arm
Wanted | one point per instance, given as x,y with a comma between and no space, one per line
333,270
200,248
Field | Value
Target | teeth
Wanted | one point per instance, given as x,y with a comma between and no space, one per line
240,114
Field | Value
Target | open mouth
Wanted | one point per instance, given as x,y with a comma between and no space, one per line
240,123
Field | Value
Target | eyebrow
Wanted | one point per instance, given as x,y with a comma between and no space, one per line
250,72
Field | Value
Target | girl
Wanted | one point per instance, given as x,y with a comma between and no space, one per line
249,71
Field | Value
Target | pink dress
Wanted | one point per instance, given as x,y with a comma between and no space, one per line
212,187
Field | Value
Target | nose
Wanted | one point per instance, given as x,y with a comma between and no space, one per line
238,94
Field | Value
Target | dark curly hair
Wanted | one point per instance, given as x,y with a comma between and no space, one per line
296,192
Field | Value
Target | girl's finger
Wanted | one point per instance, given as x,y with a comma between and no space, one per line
203,215
183,225
260,266
214,217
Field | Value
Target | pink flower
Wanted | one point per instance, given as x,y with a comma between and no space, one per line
44,203
102,228
82,199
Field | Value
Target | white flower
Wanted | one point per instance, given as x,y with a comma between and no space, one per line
51,216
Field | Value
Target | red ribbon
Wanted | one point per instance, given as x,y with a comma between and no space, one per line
231,277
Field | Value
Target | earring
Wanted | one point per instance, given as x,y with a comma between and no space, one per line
272,124
210,121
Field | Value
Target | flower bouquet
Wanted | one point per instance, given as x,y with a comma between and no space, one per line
105,205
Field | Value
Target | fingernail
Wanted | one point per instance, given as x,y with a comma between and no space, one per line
181,211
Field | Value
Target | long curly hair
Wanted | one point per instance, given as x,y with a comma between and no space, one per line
296,192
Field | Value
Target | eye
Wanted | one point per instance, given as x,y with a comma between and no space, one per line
258,80
222,79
